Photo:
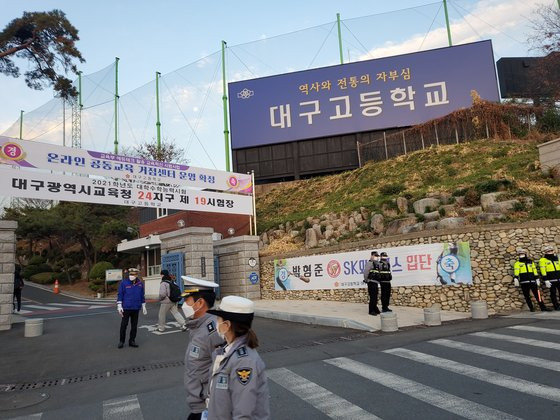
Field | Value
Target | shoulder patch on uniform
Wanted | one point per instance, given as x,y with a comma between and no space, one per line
244,375
242,351
211,328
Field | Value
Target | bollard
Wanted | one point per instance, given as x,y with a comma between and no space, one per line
432,316
33,327
479,309
389,322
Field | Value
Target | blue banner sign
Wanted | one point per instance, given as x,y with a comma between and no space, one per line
368,95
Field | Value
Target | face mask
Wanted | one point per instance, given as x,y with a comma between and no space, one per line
189,310
522,255
221,334
375,258
132,278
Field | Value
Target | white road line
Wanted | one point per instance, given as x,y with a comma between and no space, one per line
322,399
435,397
495,378
501,354
35,416
536,329
122,409
45,308
70,305
518,340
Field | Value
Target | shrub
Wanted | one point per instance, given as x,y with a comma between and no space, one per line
307,225
392,189
36,260
30,271
42,278
420,217
98,270
44,268
441,212
550,121
458,192
472,198
492,185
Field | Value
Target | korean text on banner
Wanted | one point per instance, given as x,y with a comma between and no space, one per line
417,265
31,154
33,184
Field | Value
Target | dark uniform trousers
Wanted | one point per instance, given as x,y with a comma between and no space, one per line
133,315
373,290
527,288
385,294
554,291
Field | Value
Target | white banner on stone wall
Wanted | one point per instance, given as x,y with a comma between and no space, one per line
416,265
34,184
32,154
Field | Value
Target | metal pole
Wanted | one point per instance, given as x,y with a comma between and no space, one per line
254,201
63,122
116,105
487,133
404,142
359,157
456,136
225,103
80,89
385,141
158,123
437,138
447,23
21,124
340,38
422,138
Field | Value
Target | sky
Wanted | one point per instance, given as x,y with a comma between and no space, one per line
164,36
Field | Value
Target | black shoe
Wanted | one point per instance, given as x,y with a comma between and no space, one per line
532,309
121,344
132,344
557,308
373,313
386,310
545,309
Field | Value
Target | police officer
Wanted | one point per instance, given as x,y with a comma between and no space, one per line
130,298
238,384
525,275
371,278
549,267
199,296
385,278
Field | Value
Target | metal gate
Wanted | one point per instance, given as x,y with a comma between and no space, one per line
175,264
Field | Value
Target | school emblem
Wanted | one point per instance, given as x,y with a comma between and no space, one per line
244,375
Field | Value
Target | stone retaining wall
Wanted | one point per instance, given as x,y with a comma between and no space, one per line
7,268
492,257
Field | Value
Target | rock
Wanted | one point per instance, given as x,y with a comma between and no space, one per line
449,210
377,223
311,238
317,228
445,198
396,226
489,217
364,212
278,233
451,223
421,205
294,233
490,198
501,206
558,208
459,200
389,211
416,227
351,224
264,238
431,225
329,233
430,217
323,242
402,204
528,201
470,211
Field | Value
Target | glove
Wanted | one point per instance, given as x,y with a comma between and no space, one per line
119,308
144,310
538,282
548,284
516,282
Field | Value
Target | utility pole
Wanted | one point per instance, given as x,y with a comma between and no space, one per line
158,123
340,38
224,100
116,105
447,23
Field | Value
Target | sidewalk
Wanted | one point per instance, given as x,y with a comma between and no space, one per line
342,314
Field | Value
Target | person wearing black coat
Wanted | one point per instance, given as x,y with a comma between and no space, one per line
18,286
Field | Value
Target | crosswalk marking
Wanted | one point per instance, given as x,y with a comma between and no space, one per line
500,354
122,408
322,399
45,308
71,305
440,399
518,340
535,329
495,378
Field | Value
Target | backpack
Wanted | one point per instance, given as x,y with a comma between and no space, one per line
174,291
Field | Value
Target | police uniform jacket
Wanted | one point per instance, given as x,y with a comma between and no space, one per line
384,269
131,294
550,268
525,270
370,272
238,386
203,340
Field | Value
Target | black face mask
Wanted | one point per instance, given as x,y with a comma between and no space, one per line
551,257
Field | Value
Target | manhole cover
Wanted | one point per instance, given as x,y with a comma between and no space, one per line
13,401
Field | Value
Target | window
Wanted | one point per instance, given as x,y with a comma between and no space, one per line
153,261
161,213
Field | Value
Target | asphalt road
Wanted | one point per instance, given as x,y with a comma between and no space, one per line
498,368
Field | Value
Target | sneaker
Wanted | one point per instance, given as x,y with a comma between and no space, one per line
184,328
121,344
160,330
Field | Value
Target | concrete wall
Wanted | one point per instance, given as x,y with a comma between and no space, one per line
234,254
549,154
492,257
7,266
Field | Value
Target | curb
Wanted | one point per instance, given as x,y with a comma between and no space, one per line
314,320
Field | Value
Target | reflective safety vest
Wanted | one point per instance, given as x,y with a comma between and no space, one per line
526,272
550,270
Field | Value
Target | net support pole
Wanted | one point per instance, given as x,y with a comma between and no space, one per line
21,124
158,122
340,38
254,202
116,142
225,104
447,23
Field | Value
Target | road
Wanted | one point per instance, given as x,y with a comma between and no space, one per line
499,368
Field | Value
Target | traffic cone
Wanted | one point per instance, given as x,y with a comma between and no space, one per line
56,290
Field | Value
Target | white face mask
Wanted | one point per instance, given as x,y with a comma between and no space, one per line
222,335
522,255
189,310
132,278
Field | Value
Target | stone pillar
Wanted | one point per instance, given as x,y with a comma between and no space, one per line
196,243
7,267
236,272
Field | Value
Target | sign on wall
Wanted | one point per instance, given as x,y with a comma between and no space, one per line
33,184
32,154
418,265
367,95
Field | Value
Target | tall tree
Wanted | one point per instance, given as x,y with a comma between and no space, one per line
46,40
168,152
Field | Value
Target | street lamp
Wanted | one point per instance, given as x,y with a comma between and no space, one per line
130,229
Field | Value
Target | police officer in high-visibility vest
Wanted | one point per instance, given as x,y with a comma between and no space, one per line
371,278
549,267
385,278
526,276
